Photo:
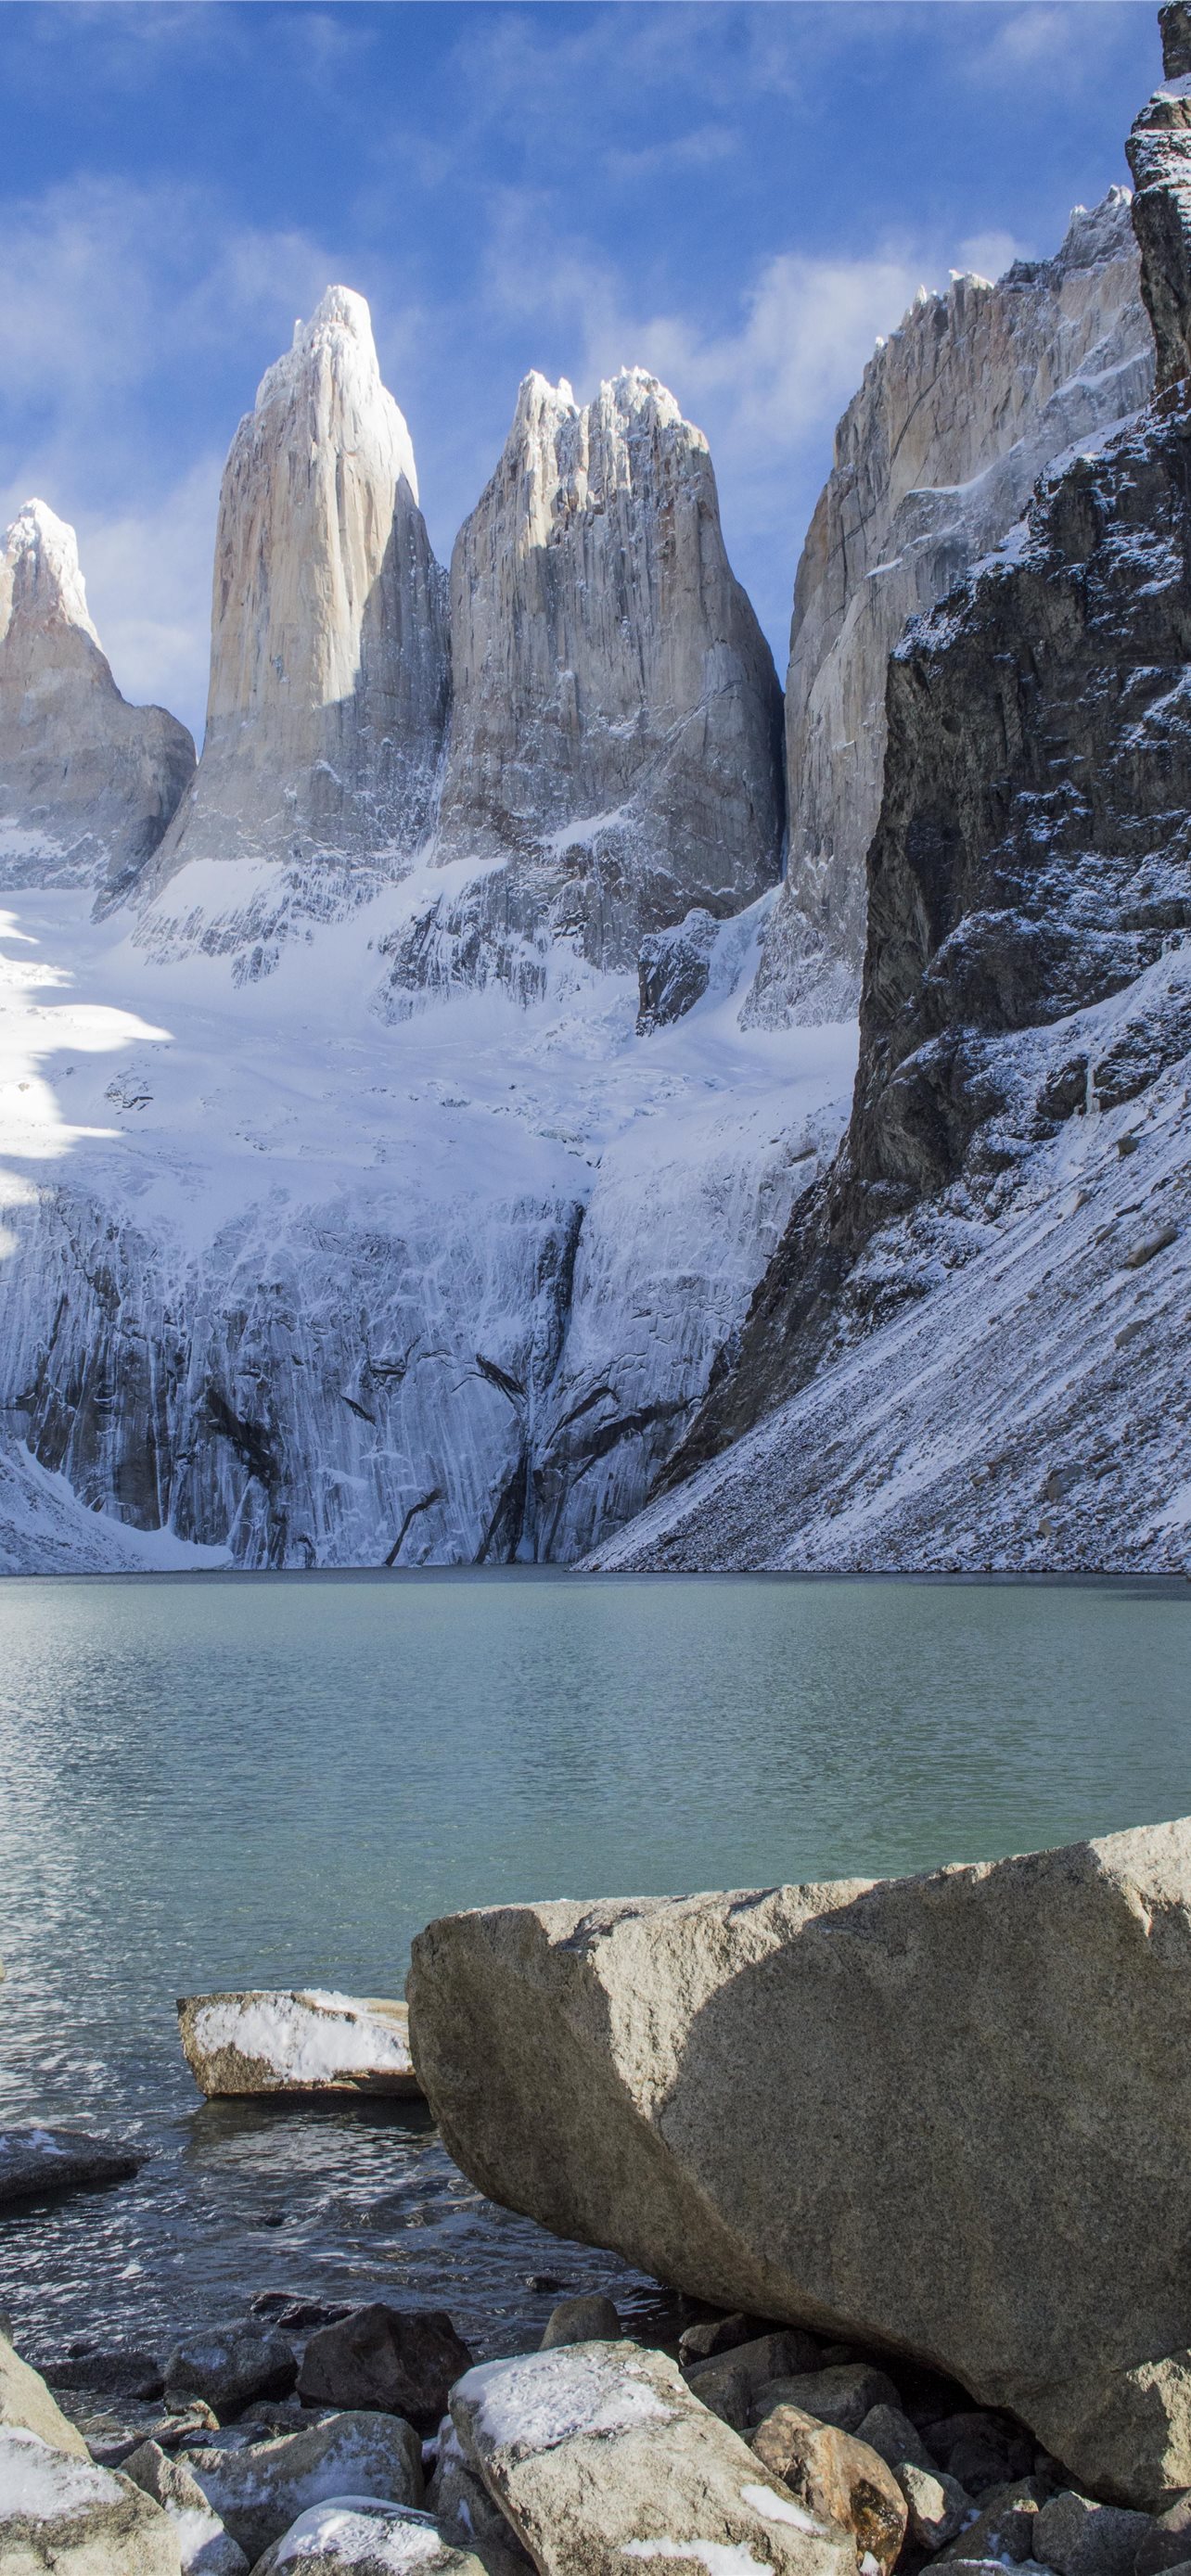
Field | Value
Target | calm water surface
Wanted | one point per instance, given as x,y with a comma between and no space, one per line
275,1780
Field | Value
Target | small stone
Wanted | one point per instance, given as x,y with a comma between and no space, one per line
1082,2538
66,2515
354,2536
26,2405
402,2360
590,2320
892,2436
714,2335
230,2369
207,2549
1149,1246
543,2281
258,2489
842,2395
837,2478
1168,2540
939,2509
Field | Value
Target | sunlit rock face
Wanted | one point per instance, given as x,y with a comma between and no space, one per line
935,457
615,730
87,783
329,669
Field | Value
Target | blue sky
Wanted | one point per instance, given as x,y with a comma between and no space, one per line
738,196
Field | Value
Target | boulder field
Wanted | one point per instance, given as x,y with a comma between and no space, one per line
936,2116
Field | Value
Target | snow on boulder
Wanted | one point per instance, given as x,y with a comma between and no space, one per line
207,2549
997,2054
77,2519
296,2041
260,2489
369,2538
37,2160
599,2455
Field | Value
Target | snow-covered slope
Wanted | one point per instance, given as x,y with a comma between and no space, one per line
935,458
87,783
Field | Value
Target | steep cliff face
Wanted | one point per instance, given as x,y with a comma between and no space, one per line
987,1296
614,755
329,667
935,457
88,784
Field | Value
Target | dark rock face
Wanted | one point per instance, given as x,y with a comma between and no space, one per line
1159,154
673,968
403,2361
1033,857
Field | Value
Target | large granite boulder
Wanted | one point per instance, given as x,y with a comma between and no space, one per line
88,784
599,2455
66,2517
940,2113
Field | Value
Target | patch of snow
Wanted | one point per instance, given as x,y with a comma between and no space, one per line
309,2040
362,2530
719,2557
776,2508
534,2403
45,2483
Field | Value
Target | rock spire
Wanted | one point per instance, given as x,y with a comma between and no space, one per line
87,783
329,677
1159,155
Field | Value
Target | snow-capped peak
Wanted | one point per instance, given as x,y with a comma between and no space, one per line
40,578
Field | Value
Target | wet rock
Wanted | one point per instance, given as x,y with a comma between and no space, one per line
939,2509
587,2320
1167,2541
291,2313
837,2478
404,2360
229,2370
351,2536
894,2438
600,2455
1082,2538
26,2405
207,2549
300,2041
68,2516
258,2489
34,2161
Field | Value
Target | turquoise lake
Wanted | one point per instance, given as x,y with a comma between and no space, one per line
235,1780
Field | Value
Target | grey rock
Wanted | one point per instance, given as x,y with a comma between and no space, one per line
405,2360
70,2518
259,2489
837,2478
713,2335
1159,155
599,2453
842,2396
1005,2526
88,784
466,2513
297,2041
584,2320
1168,2540
207,2549
354,2536
673,970
735,2383
939,2510
117,2374
1080,2537
894,2438
27,2406
231,2368
35,2161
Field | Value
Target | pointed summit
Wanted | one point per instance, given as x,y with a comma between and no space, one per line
329,675
87,783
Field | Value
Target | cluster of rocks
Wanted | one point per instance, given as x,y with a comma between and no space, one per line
368,2440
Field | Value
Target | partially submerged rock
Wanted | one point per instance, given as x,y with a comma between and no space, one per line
600,2455
35,2160
260,2488
404,2360
70,2518
207,2549
368,2538
299,2040
603,2068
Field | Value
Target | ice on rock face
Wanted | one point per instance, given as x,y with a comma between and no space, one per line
959,412
88,784
329,671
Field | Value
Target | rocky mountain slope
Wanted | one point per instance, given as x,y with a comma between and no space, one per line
88,784
977,1323
935,458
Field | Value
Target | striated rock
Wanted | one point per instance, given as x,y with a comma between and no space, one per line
296,2042
69,2518
259,2489
88,784
207,2549
615,724
959,412
402,2359
600,2454
37,2160
229,2370
329,677
354,2536
27,2406
598,2068
837,2478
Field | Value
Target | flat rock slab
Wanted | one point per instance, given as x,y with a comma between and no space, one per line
301,2041
34,2161
599,2455
941,2113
